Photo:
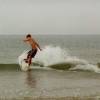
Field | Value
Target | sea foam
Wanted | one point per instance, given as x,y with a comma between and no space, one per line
51,55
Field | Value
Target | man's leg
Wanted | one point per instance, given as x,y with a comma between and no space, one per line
28,56
31,55
29,61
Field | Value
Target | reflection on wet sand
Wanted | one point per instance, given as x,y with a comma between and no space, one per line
30,80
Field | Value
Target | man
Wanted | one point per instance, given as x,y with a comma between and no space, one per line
34,45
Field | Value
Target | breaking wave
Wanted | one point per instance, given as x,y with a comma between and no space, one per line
58,58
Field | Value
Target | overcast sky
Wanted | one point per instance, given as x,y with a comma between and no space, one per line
50,16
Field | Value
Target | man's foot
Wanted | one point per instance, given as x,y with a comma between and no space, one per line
26,60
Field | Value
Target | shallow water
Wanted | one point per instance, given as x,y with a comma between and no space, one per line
40,83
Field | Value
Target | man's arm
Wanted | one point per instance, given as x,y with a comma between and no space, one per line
38,46
25,40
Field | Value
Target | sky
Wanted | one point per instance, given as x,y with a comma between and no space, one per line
50,16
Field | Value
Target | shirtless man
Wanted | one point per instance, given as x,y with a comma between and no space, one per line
34,45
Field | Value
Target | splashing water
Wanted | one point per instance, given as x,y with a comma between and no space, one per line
51,55
23,65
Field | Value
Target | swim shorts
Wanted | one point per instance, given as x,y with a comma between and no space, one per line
32,53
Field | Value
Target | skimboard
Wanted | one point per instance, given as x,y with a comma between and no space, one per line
23,64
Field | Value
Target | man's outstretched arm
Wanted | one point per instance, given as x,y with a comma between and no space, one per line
38,46
25,40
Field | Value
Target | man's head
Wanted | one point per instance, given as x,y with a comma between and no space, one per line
28,36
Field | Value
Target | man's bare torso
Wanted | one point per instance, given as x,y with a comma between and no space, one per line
32,43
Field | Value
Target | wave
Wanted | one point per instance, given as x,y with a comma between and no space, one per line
58,58
11,66
58,66
15,66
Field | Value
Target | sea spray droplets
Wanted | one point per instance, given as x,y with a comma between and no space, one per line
51,55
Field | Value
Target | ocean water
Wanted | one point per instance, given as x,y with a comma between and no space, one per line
82,46
66,67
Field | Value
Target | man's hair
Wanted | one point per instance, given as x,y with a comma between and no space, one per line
28,35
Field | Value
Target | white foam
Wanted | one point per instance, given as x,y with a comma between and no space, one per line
87,67
52,55
22,56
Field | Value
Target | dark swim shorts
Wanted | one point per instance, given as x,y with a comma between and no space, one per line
32,53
